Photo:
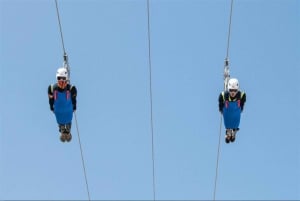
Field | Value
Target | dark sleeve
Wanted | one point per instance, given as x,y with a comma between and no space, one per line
243,100
74,95
51,99
221,103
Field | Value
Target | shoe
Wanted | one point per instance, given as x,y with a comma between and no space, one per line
234,131
232,139
227,139
228,135
62,137
68,137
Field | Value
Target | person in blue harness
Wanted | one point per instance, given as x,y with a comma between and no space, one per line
231,104
62,101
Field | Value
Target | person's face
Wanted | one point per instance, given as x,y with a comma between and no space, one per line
233,92
62,82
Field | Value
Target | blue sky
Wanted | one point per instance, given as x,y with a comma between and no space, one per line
106,41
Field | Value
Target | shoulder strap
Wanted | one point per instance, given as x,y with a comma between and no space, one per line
69,87
225,95
240,95
53,87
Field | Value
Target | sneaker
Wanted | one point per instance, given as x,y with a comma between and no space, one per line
62,137
227,139
232,139
227,136
234,131
68,137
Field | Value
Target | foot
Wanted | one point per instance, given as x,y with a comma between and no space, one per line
65,132
227,140
234,131
68,137
228,136
62,137
232,139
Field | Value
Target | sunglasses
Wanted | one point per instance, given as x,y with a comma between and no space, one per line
61,78
233,90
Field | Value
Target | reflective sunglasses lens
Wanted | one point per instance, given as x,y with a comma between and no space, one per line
61,78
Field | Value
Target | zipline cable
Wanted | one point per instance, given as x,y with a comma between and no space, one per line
226,79
60,29
66,65
151,102
229,30
82,159
226,66
218,156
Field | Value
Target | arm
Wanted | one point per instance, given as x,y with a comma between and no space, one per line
51,98
243,100
74,95
221,103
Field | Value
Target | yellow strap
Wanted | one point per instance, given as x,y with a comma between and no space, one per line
243,93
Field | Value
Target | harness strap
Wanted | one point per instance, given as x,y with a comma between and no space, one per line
68,92
55,95
226,104
226,99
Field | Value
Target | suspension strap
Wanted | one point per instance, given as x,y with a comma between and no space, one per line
66,64
226,74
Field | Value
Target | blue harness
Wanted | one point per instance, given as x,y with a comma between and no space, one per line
232,114
63,108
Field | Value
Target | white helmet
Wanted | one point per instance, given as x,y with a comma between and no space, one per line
233,83
62,72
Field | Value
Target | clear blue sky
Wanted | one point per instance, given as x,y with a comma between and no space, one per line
106,41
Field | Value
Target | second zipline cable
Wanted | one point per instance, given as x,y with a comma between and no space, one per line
151,102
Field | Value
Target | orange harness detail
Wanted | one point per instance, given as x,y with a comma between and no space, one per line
68,94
